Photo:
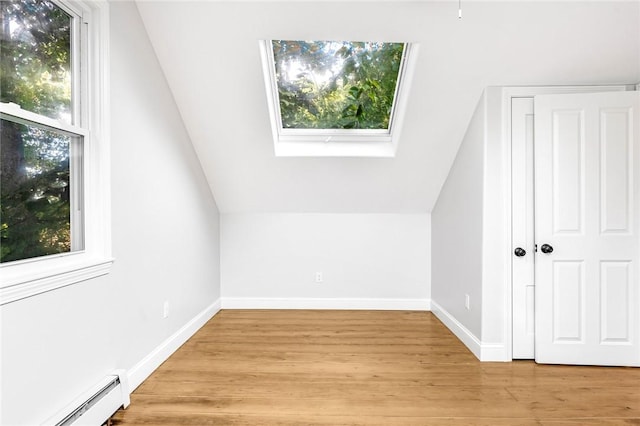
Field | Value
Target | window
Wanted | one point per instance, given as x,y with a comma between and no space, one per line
54,228
339,98
41,210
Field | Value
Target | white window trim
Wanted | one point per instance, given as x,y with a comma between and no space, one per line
337,142
26,278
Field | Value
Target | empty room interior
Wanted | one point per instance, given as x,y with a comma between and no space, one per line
320,212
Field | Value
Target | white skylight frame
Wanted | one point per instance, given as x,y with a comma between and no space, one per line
337,142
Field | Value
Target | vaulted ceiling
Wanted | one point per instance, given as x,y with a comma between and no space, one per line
209,53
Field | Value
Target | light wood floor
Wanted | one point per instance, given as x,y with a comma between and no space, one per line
366,368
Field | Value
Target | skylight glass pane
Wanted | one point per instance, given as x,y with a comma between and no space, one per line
336,84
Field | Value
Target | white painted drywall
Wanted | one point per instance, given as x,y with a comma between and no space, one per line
165,241
471,236
209,51
362,257
457,231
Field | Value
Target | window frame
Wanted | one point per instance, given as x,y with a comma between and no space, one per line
28,277
337,142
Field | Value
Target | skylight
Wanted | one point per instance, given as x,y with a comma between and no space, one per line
335,98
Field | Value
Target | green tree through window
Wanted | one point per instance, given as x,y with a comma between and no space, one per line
35,73
336,84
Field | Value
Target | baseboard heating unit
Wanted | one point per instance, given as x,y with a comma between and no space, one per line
95,406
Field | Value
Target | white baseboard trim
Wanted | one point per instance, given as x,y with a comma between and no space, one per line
461,332
494,352
143,369
482,351
326,303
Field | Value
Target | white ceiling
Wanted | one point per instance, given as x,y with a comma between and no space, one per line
209,53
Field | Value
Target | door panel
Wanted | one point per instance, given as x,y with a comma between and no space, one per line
586,208
568,290
567,175
616,173
615,290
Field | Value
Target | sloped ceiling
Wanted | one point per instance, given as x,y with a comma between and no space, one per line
209,53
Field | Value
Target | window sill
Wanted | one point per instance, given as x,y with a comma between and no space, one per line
19,283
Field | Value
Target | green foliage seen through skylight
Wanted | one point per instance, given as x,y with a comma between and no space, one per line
336,84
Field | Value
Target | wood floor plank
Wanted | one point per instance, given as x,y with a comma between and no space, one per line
366,368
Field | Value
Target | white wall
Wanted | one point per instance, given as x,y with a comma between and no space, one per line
470,231
367,260
165,241
457,232
511,43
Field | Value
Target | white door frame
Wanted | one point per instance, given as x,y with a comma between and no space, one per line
507,94
522,228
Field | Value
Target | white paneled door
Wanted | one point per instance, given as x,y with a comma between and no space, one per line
587,228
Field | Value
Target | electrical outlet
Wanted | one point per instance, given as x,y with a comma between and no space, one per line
165,309
319,278
467,303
